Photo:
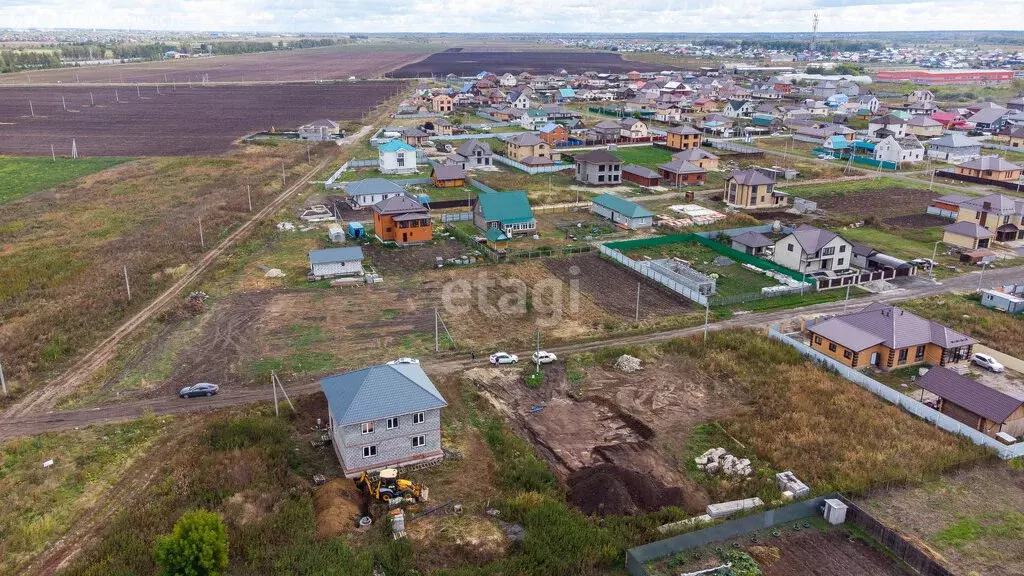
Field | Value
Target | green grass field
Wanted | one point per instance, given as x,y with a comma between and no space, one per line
23,176
847,187
648,156
733,279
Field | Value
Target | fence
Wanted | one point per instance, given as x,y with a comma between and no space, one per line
840,155
899,546
934,210
480,186
644,270
551,253
974,179
899,399
1001,147
531,169
489,125
565,207
734,147
456,217
476,136
345,167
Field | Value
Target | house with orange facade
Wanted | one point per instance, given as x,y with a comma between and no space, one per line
887,337
554,134
402,220
682,138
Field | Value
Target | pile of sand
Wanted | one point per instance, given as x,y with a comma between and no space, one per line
337,508
608,489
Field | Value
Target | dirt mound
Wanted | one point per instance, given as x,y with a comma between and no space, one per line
609,489
337,508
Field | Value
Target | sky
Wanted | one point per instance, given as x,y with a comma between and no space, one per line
515,15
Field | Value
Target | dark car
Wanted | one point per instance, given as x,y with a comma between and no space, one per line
201,389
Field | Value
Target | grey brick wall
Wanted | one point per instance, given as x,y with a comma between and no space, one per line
394,447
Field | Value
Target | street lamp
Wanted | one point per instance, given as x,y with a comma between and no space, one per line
982,275
931,265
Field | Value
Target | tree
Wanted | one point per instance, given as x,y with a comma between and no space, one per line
198,546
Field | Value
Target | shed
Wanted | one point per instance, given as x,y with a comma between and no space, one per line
355,229
1002,301
448,176
623,212
333,262
640,175
984,409
751,242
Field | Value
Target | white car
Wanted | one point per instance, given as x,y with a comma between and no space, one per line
503,358
404,361
987,362
543,357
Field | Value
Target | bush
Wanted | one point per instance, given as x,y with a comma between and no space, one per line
198,546
534,380
248,432
519,468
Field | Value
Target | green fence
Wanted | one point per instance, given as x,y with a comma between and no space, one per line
709,243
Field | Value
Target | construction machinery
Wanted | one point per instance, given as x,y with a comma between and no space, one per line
388,485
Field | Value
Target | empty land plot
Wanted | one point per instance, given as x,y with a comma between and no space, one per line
819,191
179,121
917,221
330,63
878,201
22,176
971,520
465,63
733,279
999,330
649,156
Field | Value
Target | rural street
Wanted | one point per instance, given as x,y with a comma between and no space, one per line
27,423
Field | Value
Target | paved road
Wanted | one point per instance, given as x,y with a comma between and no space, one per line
31,424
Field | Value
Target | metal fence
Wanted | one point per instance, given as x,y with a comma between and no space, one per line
974,179
480,185
456,217
994,146
734,147
531,169
899,399
644,270
841,155
552,253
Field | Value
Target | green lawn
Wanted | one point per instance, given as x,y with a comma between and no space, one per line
22,176
899,242
648,156
847,187
732,280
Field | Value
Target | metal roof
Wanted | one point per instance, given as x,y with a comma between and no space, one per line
598,157
380,392
993,204
505,207
886,324
954,140
468,148
968,229
694,154
400,204
372,186
753,239
624,207
449,172
331,255
529,139
970,394
812,239
642,171
994,163
749,177
394,146
680,166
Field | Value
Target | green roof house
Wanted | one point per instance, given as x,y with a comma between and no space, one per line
508,211
622,212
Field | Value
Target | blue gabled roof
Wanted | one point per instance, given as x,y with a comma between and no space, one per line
380,392
549,127
329,255
394,146
369,186
505,207
566,92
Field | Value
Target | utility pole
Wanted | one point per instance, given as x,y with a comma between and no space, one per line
931,265
248,192
636,317
847,301
127,287
138,91
537,355
308,161
202,240
436,348
932,181
53,153
283,179
275,383
31,110
707,315
273,387
3,383
92,101
64,103
982,275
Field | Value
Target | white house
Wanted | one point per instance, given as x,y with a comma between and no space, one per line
868,102
507,80
901,151
396,157
366,193
739,108
888,125
633,128
808,249
347,261
954,148
519,100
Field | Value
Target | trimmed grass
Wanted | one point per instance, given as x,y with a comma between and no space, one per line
23,176
847,187
648,156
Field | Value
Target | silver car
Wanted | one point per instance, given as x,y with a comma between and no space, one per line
201,389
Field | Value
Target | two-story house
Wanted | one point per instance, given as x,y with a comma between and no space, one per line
993,216
899,150
808,249
523,146
888,125
554,134
402,220
599,167
749,189
396,157
473,154
519,100
698,157
739,108
682,137
383,417
632,129
442,103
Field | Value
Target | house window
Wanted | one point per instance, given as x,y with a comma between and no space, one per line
392,423
369,451
600,167
840,261
919,354
831,346
828,251
847,354
817,339
417,418
367,428
902,357
600,178
789,247
418,441
401,160
842,248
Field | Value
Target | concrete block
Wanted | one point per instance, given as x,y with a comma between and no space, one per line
711,468
723,509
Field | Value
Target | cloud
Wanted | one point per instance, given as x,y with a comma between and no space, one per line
508,16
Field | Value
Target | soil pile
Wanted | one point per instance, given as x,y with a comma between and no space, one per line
337,508
609,489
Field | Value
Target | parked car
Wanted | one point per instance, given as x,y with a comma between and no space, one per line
405,360
201,389
543,357
503,358
987,362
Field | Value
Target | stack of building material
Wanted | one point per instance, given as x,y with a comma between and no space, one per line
791,486
718,460
627,363
724,509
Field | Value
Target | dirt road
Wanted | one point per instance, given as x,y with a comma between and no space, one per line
27,423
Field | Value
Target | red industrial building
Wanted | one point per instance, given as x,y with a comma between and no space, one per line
945,76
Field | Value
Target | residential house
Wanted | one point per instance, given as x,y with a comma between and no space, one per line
442,103
473,154
632,129
888,125
396,157
367,192
334,262
922,108
441,127
901,151
608,130
967,235
836,146
920,96
698,157
824,90
887,337
507,80
319,131
533,118
622,212
682,138
519,100
554,134
990,168
1016,103
808,249
1015,137
522,146
679,172
953,148
508,211
750,189
988,119
949,120
867,102
948,205
641,175
598,168
1002,300
752,243
383,417
998,214
974,404
924,126
414,136
402,220
739,108
448,176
